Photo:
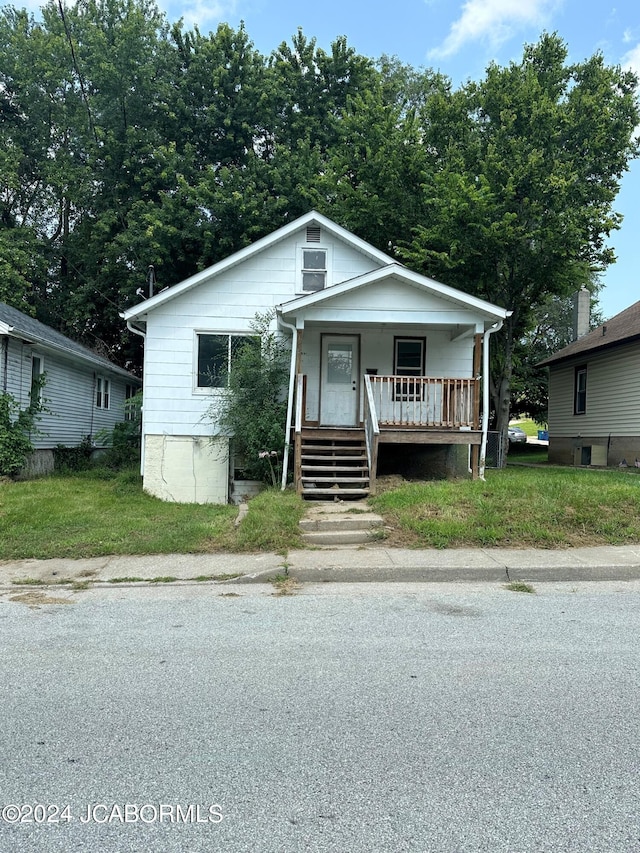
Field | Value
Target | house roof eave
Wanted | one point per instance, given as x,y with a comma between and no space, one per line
401,273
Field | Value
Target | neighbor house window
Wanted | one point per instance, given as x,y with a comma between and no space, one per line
580,391
37,369
314,269
216,355
130,408
103,392
409,360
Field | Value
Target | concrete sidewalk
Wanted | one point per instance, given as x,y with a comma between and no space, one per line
358,564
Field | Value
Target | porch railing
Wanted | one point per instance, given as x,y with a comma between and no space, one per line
424,401
371,432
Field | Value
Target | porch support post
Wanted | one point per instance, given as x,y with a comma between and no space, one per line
299,334
477,362
292,380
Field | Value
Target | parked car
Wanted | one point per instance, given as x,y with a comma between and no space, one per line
517,435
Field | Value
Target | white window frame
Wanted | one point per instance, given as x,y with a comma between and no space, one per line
103,393
301,270
35,356
198,333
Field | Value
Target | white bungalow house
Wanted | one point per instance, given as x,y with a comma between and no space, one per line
84,393
379,355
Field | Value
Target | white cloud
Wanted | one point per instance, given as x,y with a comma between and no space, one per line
206,14
494,21
631,60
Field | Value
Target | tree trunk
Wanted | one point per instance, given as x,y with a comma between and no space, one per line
501,391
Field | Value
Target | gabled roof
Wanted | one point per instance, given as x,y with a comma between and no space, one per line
401,273
311,218
15,324
620,329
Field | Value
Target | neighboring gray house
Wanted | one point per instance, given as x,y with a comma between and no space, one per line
380,356
594,395
84,392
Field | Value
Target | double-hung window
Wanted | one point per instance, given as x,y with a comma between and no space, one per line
580,391
215,357
314,269
103,392
37,370
409,361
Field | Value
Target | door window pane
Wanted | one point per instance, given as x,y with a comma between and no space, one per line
339,363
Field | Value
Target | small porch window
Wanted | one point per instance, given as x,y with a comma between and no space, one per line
409,360
580,391
314,269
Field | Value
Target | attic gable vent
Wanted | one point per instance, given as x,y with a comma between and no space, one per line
313,233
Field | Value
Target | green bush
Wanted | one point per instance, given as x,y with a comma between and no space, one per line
125,439
253,409
68,459
16,428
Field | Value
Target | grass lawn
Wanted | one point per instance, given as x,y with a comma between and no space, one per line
526,506
98,513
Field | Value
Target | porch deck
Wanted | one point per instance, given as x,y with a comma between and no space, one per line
341,462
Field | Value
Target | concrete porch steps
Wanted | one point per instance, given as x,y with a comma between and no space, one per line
330,525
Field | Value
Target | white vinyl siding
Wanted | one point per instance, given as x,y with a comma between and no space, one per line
173,405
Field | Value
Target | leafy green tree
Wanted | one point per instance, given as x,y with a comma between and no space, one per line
523,171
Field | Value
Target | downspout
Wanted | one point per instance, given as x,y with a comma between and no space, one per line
142,441
292,380
5,362
485,396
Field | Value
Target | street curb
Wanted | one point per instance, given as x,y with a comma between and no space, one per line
462,574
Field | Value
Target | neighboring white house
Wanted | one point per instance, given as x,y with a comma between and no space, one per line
84,393
594,395
379,355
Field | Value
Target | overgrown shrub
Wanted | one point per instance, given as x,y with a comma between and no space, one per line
124,441
73,458
16,429
253,409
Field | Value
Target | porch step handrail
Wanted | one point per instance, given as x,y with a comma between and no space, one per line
371,432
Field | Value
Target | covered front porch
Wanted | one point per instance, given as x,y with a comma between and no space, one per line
388,358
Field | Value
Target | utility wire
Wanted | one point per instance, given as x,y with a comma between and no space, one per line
77,70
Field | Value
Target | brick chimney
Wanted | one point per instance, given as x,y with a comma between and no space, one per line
581,312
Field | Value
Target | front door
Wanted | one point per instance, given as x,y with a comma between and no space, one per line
339,388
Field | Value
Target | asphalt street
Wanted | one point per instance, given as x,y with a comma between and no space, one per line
441,718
